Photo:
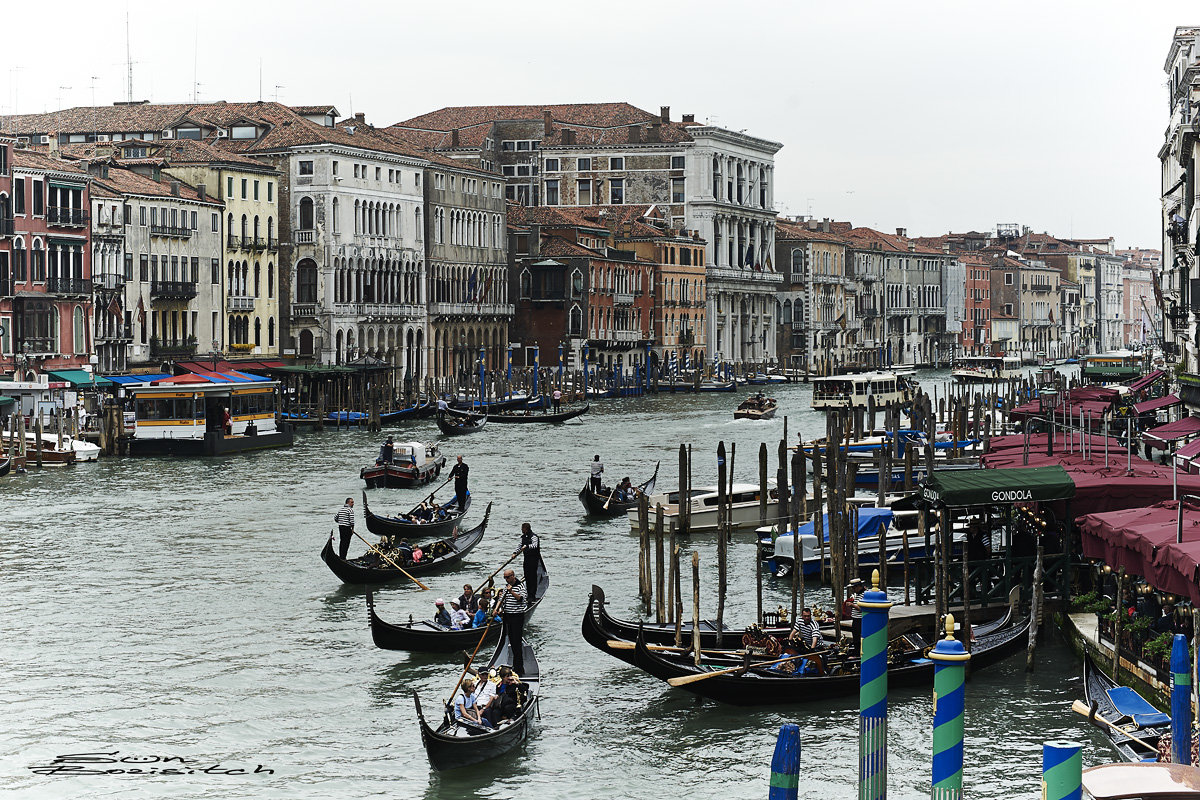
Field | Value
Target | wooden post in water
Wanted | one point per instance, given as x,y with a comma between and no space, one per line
904,547
881,558
797,549
643,535
762,523
683,489
1035,614
672,576
678,590
696,607
722,543
966,595
819,510
660,609
38,441
781,487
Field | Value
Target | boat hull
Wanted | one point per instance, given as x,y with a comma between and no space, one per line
401,476
391,526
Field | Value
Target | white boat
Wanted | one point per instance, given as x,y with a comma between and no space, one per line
83,449
852,391
702,506
986,369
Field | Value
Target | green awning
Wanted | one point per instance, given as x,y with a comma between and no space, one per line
978,487
1115,372
5,402
79,378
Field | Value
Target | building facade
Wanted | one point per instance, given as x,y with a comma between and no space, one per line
818,305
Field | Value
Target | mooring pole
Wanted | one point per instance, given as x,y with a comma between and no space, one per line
949,677
873,694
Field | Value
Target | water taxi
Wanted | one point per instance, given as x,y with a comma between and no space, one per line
185,416
986,369
852,391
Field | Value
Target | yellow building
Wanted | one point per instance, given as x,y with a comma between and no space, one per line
250,233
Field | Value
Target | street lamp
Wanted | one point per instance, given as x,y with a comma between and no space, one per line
1048,398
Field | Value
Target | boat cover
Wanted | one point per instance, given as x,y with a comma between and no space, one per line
1131,704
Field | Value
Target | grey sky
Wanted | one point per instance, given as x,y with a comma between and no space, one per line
925,115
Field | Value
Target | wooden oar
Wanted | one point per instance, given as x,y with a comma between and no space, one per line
379,553
621,644
686,679
431,494
478,645
1079,707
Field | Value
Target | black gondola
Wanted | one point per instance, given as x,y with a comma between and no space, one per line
447,749
763,686
372,569
599,505
463,405
664,632
426,636
531,416
1126,709
457,423
397,527
412,412
5,465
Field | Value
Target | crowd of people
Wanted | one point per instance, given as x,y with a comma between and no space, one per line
490,700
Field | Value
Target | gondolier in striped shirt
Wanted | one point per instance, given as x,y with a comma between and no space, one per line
512,610
345,523
531,545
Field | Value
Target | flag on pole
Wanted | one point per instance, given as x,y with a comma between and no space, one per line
114,308
141,309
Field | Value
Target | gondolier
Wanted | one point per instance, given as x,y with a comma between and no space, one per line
556,399
531,545
459,473
345,522
513,614
597,471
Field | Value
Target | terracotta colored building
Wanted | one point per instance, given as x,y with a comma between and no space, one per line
977,325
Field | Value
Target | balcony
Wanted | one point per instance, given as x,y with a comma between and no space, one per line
118,333
256,243
304,310
1040,287
305,237
34,345
1038,323
240,303
170,231
232,242
272,243
171,349
109,281
467,310
67,217
6,226
172,290
384,311
68,286
870,277
623,298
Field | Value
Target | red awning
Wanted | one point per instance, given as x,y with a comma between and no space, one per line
1143,541
1158,438
1189,450
1157,403
1146,381
206,367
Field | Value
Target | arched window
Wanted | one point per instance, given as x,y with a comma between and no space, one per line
270,332
307,217
257,277
420,230
77,330
229,228
576,284
271,229
576,321
337,223
306,281
306,342
245,228
526,284
270,280
797,261
257,332
785,316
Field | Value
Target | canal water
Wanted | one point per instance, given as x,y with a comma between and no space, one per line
179,608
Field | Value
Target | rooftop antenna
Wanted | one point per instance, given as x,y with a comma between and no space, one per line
260,80
278,86
128,62
195,63
58,99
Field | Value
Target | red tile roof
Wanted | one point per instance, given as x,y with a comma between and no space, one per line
601,115
790,231
867,237
26,158
126,181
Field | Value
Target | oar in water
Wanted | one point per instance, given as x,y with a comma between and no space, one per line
380,553
686,679
489,578
435,491
1079,707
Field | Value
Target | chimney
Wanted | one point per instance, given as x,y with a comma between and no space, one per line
811,223
202,191
912,247
654,132
946,248
104,171
547,121
174,188
360,118
689,117
156,173
825,225
664,114
902,231
454,138
568,136
635,134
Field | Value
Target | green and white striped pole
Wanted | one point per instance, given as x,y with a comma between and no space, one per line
1062,771
949,674
873,694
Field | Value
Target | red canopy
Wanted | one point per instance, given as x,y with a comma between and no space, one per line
1157,403
1158,438
1146,381
1143,541
206,367
1092,400
191,377
1189,450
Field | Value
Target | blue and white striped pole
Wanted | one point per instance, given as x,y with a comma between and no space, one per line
1062,771
508,376
873,694
560,364
949,676
785,764
1181,701
482,370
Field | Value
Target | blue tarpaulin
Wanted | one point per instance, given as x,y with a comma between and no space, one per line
869,520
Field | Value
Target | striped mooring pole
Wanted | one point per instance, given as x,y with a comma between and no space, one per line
949,674
785,764
873,694
1062,771
1181,701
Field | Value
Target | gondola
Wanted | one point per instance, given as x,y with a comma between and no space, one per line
1126,709
755,407
459,424
5,465
397,527
462,404
529,416
599,504
371,569
426,636
839,677
448,747
411,412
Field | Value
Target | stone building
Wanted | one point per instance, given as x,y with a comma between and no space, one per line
976,334
1040,311
112,323
1140,315
818,305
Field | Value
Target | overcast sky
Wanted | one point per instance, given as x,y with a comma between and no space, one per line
932,116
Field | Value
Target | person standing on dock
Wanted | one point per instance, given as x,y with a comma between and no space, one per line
557,400
531,545
459,473
513,612
345,522
226,422
597,471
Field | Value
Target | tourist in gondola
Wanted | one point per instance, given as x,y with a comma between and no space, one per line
386,451
485,692
459,473
513,608
465,710
405,550
807,632
345,522
510,697
468,599
531,545
597,471
441,616
459,618
625,490
485,608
